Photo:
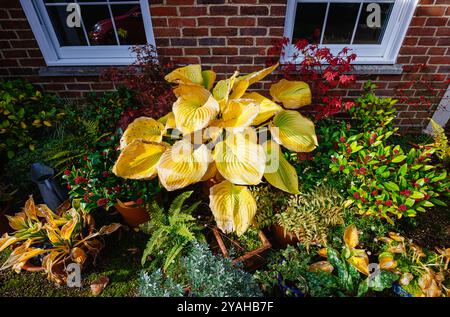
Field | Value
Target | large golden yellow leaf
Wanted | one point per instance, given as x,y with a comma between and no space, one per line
240,159
293,131
360,261
143,128
239,89
257,76
139,160
30,209
183,165
386,261
194,109
18,221
169,121
351,236
293,94
209,77
267,108
187,75
68,228
233,207
239,113
278,172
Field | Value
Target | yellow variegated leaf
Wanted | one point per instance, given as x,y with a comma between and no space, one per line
257,76
360,261
6,241
222,90
233,207
351,236
78,255
30,209
181,165
278,172
194,109
267,108
239,89
187,75
53,234
143,128
169,121
68,228
18,221
240,159
209,77
293,94
323,266
396,237
139,160
239,113
293,131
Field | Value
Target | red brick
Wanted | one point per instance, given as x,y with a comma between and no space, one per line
415,31
78,86
12,62
419,59
436,51
197,51
254,10
276,31
239,60
224,31
436,21
248,21
240,41
225,51
216,21
444,41
32,62
159,22
163,11
253,31
214,59
166,32
15,53
177,22
180,2
195,32
410,41
17,14
443,32
418,21
183,42
223,10
430,11
408,50
192,11
277,11
444,60
23,43
170,51
271,21
211,1
211,41
428,41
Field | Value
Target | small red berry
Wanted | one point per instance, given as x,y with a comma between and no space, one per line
402,207
139,201
342,139
375,192
388,203
67,172
341,168
426,180
102,201
356,195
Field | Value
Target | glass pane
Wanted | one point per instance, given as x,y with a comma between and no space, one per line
129,24
340,23
67,36
98,23
308,21
367,33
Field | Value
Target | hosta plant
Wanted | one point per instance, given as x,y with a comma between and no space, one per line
388,182
67,236
422,273
220,131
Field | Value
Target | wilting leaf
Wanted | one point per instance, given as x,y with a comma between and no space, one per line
239,89
397,237
293,94
351,236
99,285
406,278
240,159
293,131
30,209
360,261
188,75
323,266
233,207
194,109
139,160
267,108
143,128
386,261
278,172
78,255
18,221
68,228
181,165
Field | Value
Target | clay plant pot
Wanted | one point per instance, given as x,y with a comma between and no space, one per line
282,238
133,214
251,260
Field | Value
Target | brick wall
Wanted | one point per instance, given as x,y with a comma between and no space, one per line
233,34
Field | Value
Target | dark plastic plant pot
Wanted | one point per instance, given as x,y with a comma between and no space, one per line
133,214
282,238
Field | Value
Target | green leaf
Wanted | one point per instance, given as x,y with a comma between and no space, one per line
417,195
399,158
403,169
438,202
391,186
410,202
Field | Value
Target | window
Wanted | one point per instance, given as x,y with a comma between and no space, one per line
105,32
374,29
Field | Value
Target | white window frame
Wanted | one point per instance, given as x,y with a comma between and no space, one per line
97,55
384,53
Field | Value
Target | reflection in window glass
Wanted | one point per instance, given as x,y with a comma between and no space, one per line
66,36
365,34
309,21
129,24
341,22
98,24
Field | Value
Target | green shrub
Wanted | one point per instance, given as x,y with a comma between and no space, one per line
205,275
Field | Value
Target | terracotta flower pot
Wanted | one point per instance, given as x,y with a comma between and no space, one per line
133,214
282,238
